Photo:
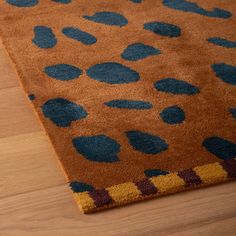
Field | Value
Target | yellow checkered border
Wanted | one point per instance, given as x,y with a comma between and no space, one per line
129,192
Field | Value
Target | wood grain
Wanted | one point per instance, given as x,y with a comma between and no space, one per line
27,164
35,201
16,115
52,211
6,71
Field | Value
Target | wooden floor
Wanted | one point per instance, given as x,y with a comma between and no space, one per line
35,200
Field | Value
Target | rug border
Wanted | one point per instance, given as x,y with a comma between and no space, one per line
157,186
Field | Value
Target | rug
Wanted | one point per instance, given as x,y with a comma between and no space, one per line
138,97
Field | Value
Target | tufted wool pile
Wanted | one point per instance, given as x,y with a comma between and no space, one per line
138,97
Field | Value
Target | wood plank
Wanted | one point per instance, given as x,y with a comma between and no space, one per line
16,116
221,227
7,74
53,212
27,163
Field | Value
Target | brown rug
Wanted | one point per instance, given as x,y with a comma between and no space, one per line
138,97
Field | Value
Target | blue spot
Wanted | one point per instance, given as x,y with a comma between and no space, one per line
163,29
155,172
183,5
62,1
136,1
31,97
146,143
23,3
220,147
79,35
138,51
108,18
79,187
129,104
44,37
62,112
98,148
233,112
225,72
112,73
171,85
173,115
222,42
63,71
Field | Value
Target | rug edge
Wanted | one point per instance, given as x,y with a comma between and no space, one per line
157,186
148,188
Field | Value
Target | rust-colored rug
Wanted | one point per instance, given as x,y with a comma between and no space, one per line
138,97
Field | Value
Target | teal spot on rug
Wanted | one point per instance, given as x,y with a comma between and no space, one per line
63,72
136,1
146,143
174,86
62,1
113,73
79,187
44,37
138,51
62,111
79,35
129,104
23,3
222,148
188,6
222,42
155,172
163,29
173,115
108,18
31,97
233,112
225,72
99,148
